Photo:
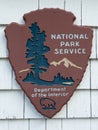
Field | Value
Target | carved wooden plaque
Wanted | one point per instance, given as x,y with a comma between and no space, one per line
49,55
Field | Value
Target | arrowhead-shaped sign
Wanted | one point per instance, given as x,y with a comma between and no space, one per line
49,55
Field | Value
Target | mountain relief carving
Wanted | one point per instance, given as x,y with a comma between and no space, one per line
67,63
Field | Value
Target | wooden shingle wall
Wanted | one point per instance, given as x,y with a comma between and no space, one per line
16,111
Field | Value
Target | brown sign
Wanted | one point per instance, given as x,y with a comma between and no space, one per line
49,55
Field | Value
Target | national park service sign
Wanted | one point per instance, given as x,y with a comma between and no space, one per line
49,55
